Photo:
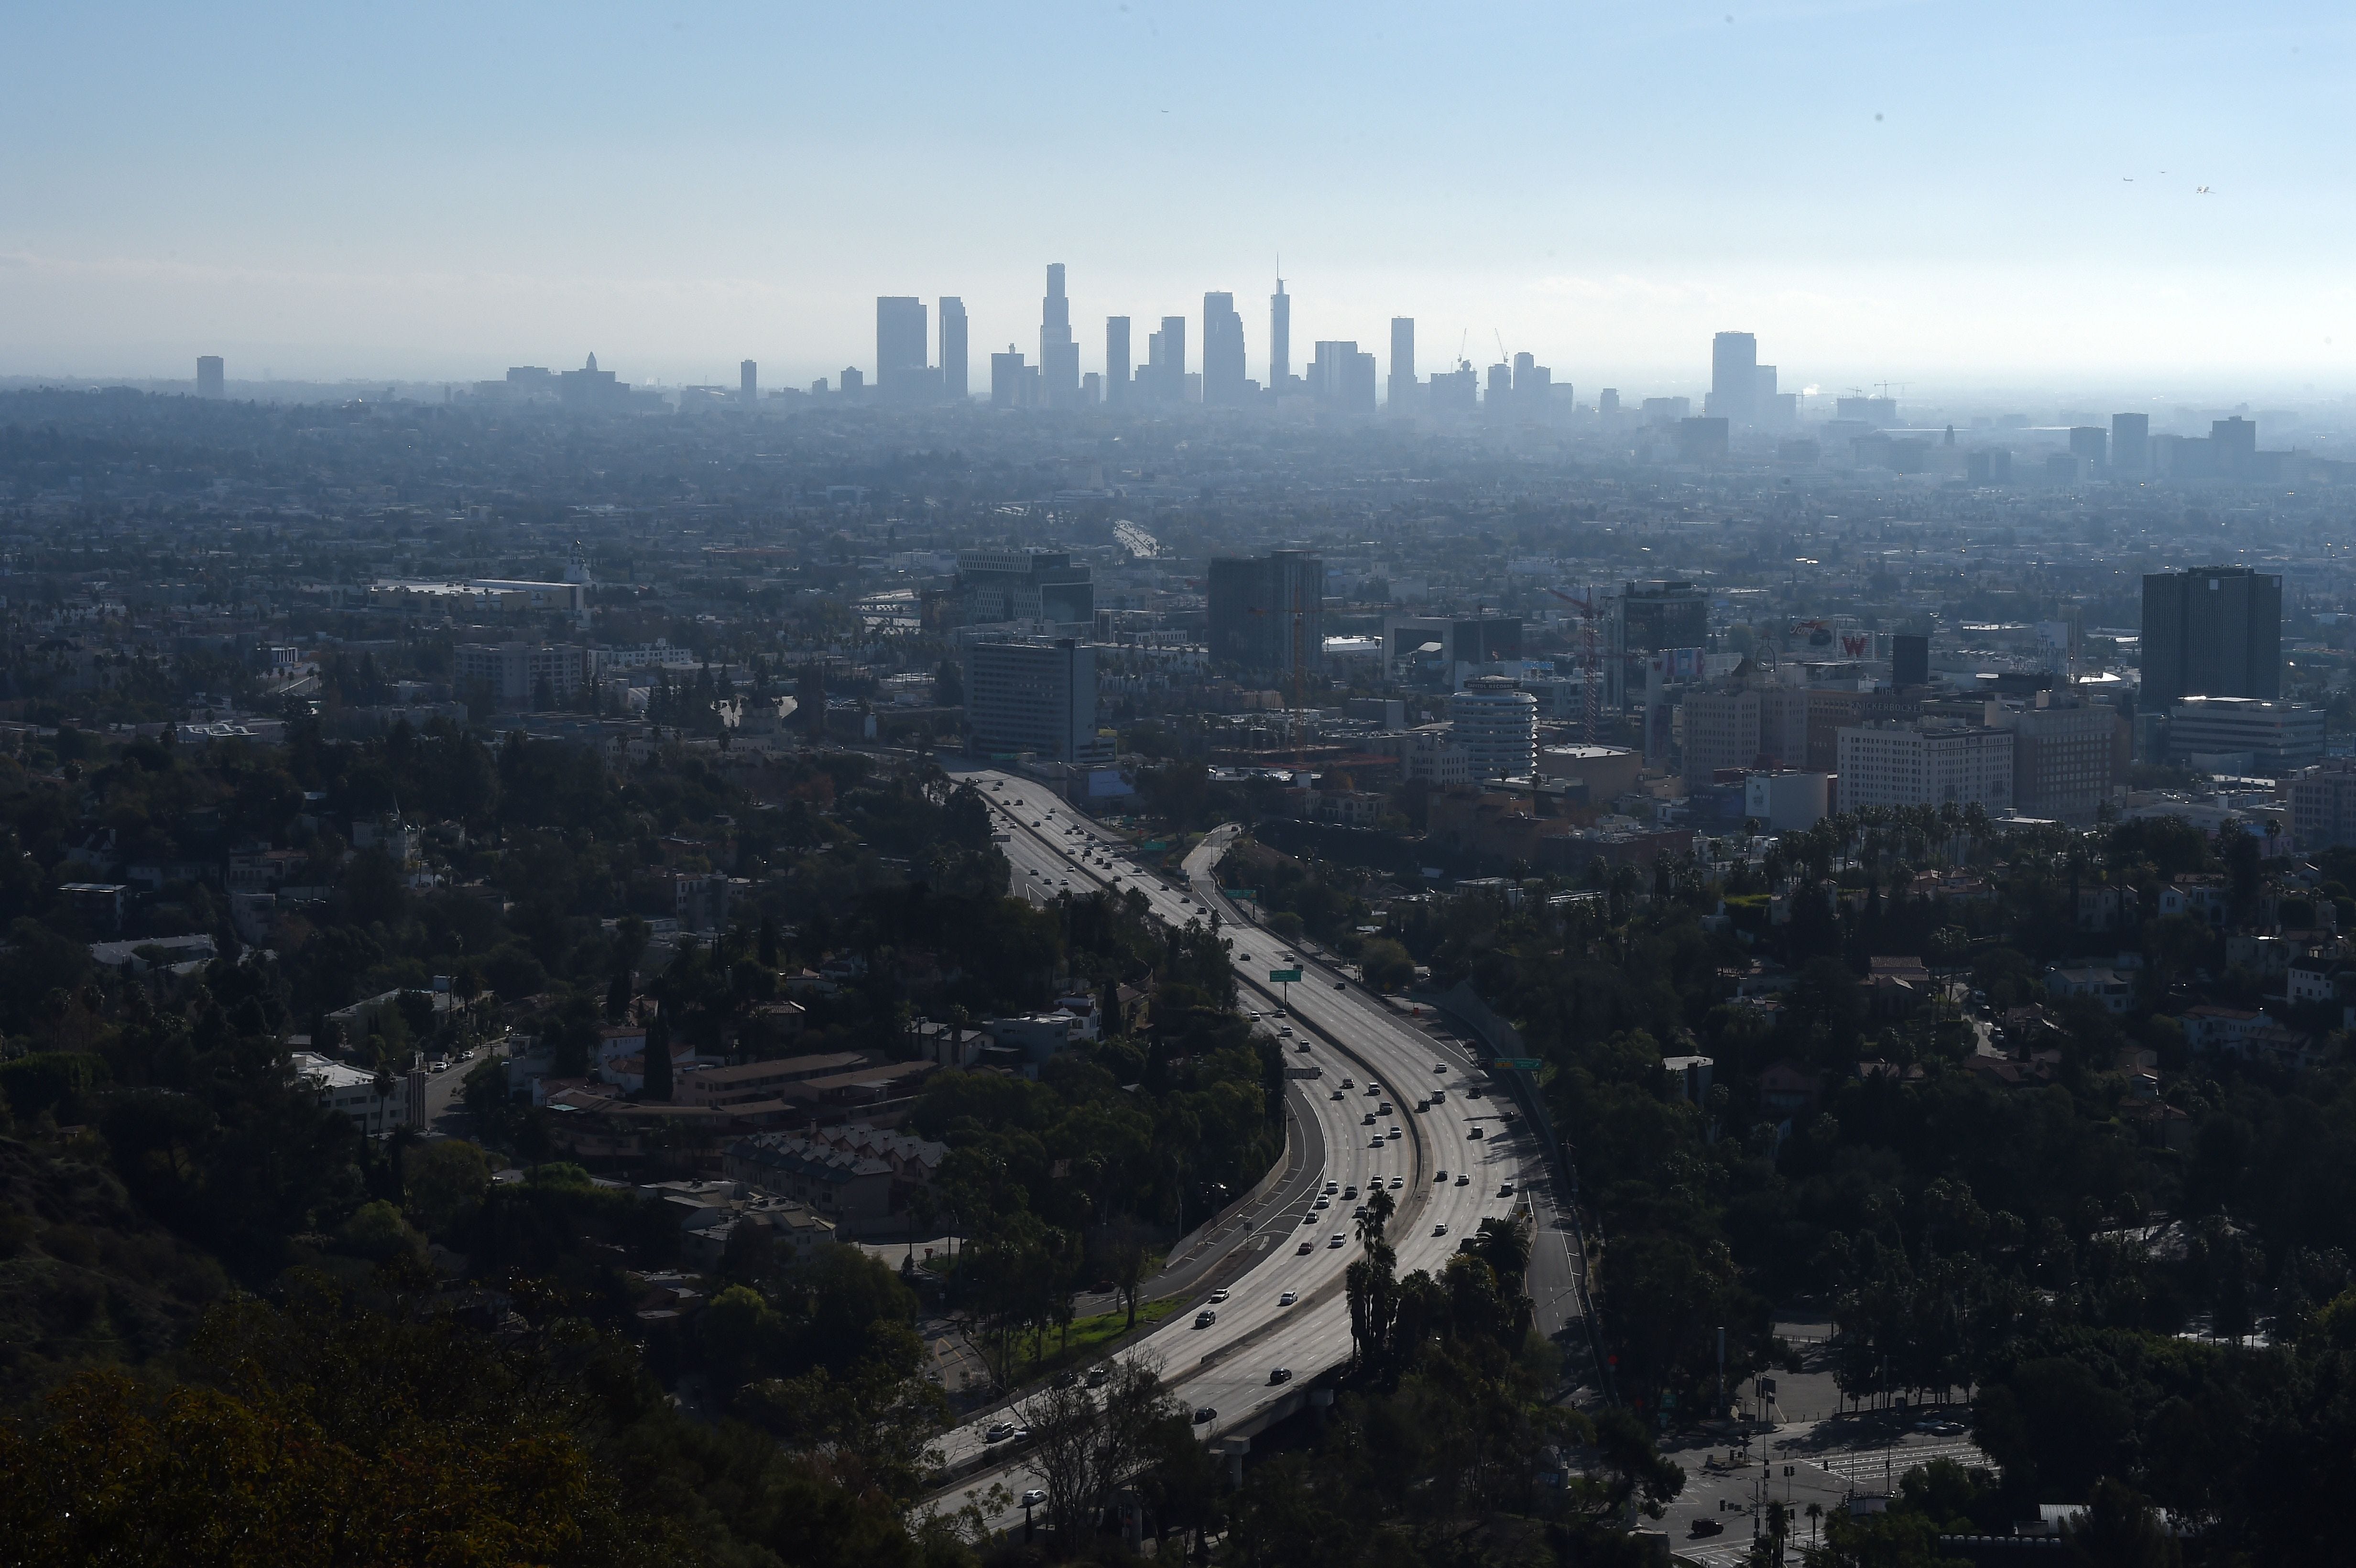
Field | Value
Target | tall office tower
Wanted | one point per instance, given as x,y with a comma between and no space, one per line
1023,585
748,381
1501,388
210,382
1402,389
954,361
2130,443
899,347
1279,340
1343,378
1223,352
1166,356
1607,401
2089,444
1533,386
1033,697
2214,631
1268,612
1733,377
1495,724
2234,445
1910,660
1059,353
1008,384
1117,381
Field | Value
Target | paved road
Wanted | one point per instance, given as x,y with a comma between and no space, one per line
1827,1461
1350,1034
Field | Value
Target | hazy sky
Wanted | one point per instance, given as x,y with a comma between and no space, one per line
1937,195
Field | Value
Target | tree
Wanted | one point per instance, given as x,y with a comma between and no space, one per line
658,1059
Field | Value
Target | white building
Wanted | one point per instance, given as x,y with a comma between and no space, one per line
1495,724
1034,697
1786,803
353,1091
1894,763
2245,734
1427,754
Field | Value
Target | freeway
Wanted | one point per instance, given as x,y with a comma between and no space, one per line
1347,1034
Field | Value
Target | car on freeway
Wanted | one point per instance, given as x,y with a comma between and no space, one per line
1359,1212
1303,1048
1341,984
1440,1176
1349,1083
1475,1133
1284,1031
998,1431
1307,1248
1309,1219
1464,1181
1245,958
1099,1376
1336,1096
1033,1497
1423,1105
1351,1191
1334,1240
1475,1093
1441,1228
1219,1294
1396,1133
1504,1190
1440,1067
1368,1120
1438,1095
1397,1182
1378,1141
1206,1318
1287,1298
1204,1412
1323,1202
1384,1109
1279,1375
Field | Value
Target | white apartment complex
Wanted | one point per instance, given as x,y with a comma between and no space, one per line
1892,764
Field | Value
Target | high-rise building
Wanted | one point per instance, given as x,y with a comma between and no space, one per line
1117,363
1279,340
1401,395
1733,377
748,382
954,361
2065,754
1607,401
996,585
2234,446
1495,724
1165,357
1501,388
900,348
1268,612
2090,444
1223,352
1009,379
2323,805
2130,443
210,380
1343,378
1035,697
1744,726
1832,710
1059,352
1909,659
2211,632
1925,764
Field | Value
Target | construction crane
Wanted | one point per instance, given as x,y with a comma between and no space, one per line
1590,664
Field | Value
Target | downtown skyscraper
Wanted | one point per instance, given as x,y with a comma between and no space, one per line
955,359
1224,384
900,356
1402,383
1059,352
1117,364
1279,340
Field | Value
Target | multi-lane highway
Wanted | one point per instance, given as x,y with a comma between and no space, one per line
1368,1054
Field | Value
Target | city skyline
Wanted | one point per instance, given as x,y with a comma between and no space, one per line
490,190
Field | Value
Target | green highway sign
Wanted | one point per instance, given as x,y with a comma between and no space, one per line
1288,977
1241,892
1521,1063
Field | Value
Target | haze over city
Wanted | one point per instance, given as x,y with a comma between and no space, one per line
1148,786
2113,199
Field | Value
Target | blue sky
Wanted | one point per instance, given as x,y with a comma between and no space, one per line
1932,194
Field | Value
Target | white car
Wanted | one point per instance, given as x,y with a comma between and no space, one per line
1219,1294
1033,1497
1287,1298
1334,1240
